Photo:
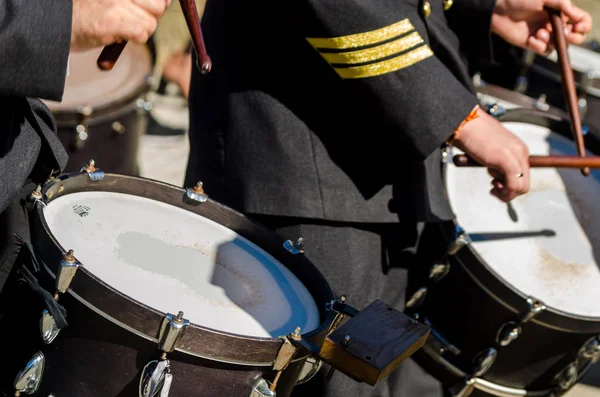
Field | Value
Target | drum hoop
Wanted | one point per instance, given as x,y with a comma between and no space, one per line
486,277
507,95
199,341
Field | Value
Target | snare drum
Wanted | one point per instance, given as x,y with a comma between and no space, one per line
512,296
103,114
545,78
167,291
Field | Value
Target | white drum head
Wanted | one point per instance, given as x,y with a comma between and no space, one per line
173,260
549,248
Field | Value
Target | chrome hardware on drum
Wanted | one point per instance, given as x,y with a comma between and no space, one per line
544,78
103,114
512,294
167,292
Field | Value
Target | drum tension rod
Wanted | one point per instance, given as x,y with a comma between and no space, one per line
66,272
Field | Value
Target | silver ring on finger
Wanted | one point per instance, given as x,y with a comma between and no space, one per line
520,175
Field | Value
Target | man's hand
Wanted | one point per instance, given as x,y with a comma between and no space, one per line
489,143
98,23
525,23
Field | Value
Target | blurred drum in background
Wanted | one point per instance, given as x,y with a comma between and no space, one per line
104,113
544,79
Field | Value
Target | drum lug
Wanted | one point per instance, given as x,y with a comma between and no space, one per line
484,361
311,367
591,349
417,299
541,103
462,239
95,174
261,389
196,193
566,379
508,333
48,327
156,379
35,197
66,272
295,248
64,276
29,379
439,270
171,331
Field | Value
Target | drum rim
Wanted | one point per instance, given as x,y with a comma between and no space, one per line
517,98
199,341
487,278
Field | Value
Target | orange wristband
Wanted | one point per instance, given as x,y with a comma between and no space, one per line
472,116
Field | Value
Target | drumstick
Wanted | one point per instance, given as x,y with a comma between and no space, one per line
110,54
192,19
568,81
462,160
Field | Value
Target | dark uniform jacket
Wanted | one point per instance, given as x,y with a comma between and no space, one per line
35,39
333,109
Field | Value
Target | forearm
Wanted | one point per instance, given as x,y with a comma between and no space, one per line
35,40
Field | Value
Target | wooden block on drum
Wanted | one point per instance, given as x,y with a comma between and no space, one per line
373,343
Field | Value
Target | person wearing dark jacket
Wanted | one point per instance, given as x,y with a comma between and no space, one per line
35,41
325,119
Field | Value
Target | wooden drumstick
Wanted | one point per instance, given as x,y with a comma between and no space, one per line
111,53
462,160
192,19
569,88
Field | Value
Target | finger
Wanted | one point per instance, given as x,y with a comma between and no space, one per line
497,184
136,24
499,193
154,7
543,35
495,174
537,45
574,13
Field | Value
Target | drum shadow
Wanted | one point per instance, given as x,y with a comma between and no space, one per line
260,286
580,191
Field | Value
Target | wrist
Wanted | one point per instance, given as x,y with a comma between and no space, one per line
464,126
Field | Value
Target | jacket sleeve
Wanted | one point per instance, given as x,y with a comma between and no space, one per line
383,50
471,21
35,40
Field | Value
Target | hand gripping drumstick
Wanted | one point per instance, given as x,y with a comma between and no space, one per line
568,81
110,54
462,160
